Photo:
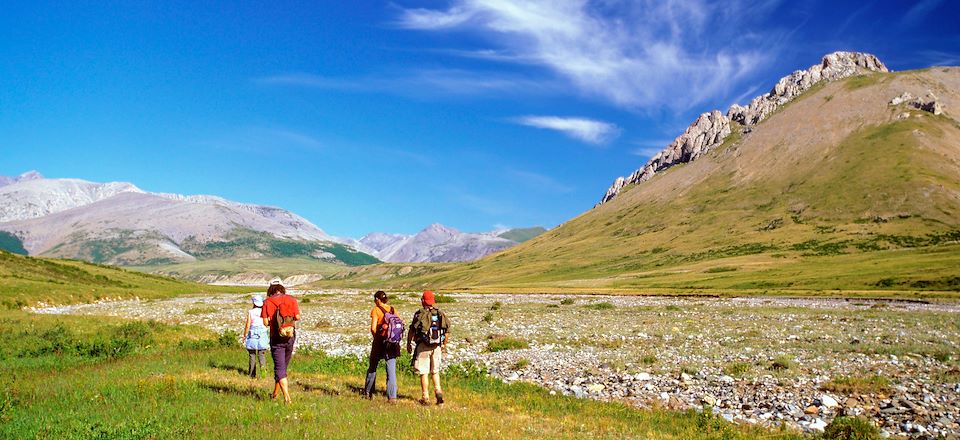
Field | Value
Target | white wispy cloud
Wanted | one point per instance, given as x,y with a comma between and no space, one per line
919,10
632,53
587,130
418,83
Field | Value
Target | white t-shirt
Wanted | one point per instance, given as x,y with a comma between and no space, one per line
256,322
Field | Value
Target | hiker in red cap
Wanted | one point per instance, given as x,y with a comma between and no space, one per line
430,328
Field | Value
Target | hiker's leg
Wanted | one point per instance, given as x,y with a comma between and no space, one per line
263,360
424,384
285,388
288,356
278,353
436,383
392,378
252,369
435,359
370,386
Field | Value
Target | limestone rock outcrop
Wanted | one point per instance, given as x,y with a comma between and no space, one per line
834,66
929,103
711,129
708,131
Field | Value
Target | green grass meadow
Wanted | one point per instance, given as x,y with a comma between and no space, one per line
74,377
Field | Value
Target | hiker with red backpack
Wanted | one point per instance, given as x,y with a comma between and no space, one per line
280,313
386,328
430,328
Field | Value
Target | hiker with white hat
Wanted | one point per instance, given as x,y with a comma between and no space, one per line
256,337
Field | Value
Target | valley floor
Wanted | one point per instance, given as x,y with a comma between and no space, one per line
798,362
79,377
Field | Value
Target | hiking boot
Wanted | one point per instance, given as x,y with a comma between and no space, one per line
392,401
424,402
439,398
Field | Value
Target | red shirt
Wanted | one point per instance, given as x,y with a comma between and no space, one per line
288,307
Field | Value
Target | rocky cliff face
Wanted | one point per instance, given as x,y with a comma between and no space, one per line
712,129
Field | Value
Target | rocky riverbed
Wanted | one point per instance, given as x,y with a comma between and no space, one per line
793,361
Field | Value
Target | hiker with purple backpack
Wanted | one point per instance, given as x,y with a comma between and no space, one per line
386,328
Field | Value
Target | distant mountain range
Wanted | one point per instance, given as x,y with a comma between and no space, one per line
119,223
438,243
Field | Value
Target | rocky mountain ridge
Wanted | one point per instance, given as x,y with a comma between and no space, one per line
711,129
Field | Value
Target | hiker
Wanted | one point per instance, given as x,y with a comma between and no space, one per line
256,337
386,329
430,327
280,313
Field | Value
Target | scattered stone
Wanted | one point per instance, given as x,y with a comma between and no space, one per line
828,401
812,409
595,387
818,425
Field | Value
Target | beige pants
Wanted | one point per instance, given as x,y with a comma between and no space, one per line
426,359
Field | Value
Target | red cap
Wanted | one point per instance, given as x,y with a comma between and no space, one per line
428,298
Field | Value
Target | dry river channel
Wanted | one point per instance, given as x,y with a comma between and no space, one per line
760,360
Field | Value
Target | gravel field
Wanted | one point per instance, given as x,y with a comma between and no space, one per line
794,361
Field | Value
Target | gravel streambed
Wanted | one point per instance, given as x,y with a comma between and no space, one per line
754,360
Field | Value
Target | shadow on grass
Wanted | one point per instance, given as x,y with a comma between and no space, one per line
238,390
322,389
358,390
228,367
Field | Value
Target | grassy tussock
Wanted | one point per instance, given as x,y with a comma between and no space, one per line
853,385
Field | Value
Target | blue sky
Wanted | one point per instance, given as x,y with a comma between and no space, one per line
388,116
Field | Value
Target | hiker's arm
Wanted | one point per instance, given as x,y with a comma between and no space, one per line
410,335
265,314
373,323
246,327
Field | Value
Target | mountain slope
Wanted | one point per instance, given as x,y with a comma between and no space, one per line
835,189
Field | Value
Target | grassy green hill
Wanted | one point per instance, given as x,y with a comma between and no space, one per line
26,280
837,190
10,243
280,267
245,243
521,235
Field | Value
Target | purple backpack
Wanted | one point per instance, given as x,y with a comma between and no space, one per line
394,325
